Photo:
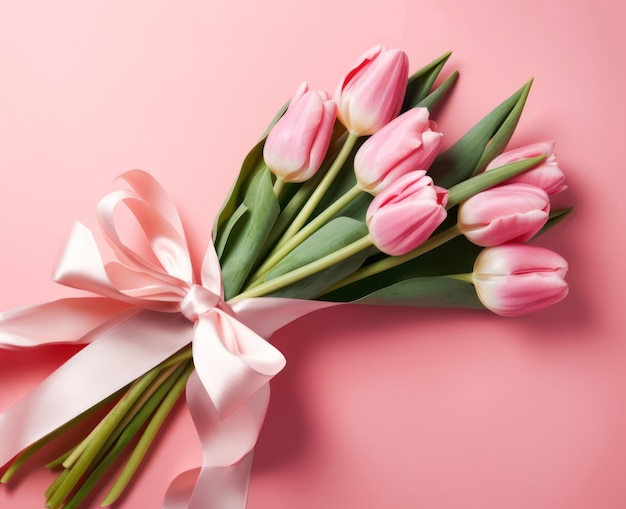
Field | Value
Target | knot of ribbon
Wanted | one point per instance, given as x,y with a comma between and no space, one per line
199,301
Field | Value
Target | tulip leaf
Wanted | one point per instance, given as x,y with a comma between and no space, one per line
334,235
429,292
468,188
555,217
421,82
454,257
276,118
480,144
227,228
246,238
502,137
304,191
251,165
432,99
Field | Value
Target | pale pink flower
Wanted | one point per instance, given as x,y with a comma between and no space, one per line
370,94
297,144
508,213
547,175
407,143
515,279
406,213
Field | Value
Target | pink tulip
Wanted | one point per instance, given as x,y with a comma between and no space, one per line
405,144
297,144
371,92
547,175
508,213
406,213
515,279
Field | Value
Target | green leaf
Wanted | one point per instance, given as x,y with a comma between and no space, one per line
502,137
432,99
227,228
247,237
554,218
454,257
300,193
429,292
468,155
276,118
464,190
252,164
334,235
420,83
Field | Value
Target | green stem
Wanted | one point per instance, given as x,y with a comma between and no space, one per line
80,448
147,438
306,270
305,233
461,277
58,462
183,355
393,261
320,190
96,443
36,446
55,484
120,445
297,201
279,184
68,459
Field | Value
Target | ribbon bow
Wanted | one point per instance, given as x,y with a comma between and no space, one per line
149,307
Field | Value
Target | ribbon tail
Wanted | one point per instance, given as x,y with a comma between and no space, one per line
268,314
75,320
227,451
232,361
120,355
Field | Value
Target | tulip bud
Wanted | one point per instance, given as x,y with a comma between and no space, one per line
547,175
297,144
405,144
515,279
508,213
406,213
371,93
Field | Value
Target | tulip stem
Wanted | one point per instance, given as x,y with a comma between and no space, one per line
97,442
319,192
279,184
393,261
467,277
315,224
306,270
154,425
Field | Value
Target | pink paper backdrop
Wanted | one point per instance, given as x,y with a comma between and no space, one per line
377,407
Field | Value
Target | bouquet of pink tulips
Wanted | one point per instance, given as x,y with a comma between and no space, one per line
345,199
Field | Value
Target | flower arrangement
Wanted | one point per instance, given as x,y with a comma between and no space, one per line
345,199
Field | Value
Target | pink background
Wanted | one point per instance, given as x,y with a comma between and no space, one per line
377,407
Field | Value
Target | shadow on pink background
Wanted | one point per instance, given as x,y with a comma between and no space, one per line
403,408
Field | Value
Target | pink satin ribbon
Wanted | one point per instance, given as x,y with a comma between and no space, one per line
149,307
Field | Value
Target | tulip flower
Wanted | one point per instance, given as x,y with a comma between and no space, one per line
508,213
407,143
370,94
297,144
547,175
515,279
406,213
